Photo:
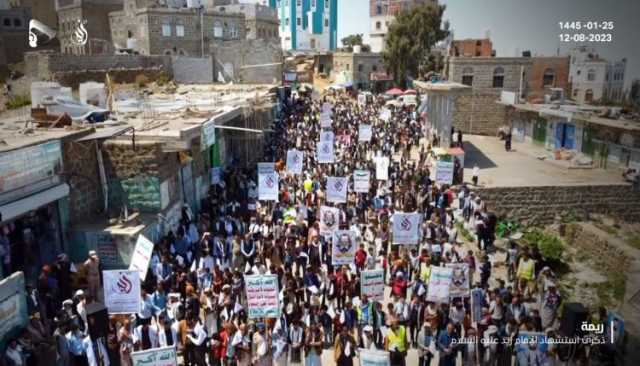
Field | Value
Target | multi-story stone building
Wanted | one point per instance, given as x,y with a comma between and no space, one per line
14,28
593,78
382,13
42,10
307,24
472,48
363,69
261,21
173,31
479,112
94,15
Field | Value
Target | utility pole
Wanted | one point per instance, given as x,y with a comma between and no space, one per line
202,30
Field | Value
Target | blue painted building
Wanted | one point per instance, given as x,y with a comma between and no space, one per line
307,24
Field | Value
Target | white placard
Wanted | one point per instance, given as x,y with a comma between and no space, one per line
343,247
406,228
216,175
268,185
372,357
141,256
337,189
459,280
327,136
121,291
262,296
364,133
329,220
385,114
361,180
372,284
295,160
325,152
439,284
444,172
266,168
163,356
382,167
325,120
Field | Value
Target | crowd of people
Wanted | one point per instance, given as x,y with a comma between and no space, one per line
194,298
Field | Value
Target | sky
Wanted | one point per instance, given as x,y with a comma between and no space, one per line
526,25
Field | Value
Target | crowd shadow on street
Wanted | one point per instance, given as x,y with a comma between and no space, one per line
473,155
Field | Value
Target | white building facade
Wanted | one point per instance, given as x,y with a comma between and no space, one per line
593,78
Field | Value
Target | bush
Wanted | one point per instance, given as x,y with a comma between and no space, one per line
162,79
506,228
550,246
141,80
18,101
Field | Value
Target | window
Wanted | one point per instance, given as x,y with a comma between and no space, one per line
298,3
360,67
313,3
591,75
298,21
378,25
346,66
478,43
6,22
606,77
548,78
180,30
313,44
286,22
17,22
129,34
575,92
378,9
166,30
588,95
467,76
374,68
217,29
498,77
326,22
326,4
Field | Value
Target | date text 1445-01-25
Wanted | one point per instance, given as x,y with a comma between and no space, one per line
605,25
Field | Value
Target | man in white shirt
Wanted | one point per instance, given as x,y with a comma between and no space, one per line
197,337
145,337
167,335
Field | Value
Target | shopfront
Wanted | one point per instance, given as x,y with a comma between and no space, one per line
34,207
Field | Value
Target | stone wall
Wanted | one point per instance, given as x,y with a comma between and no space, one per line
541,205
135,176
608,257
44,65
249,61
85,197
478,113
193,70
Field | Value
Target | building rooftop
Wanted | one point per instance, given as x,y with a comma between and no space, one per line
440,86
586,113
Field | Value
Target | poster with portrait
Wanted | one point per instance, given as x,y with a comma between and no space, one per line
325,120
343,248
531,348
372,357
325,152
382,167
459,280
439,284
361,180
364,133
329,220
337,189
444,172
327,136
295,160
121,291
406,228
268,182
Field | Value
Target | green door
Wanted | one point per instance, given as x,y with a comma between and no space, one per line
588,145
540,131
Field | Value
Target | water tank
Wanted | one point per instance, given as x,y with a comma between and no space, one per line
357,49
93,93
194,3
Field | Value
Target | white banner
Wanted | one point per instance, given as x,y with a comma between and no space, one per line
327,108
406,228
385,114
325,120
141,256
444,172
337,189
266,168
326,136
343,248
372,284
364,133
370,357
459,280
382,167
121,291
329,220
295,159
163,356
361,181
439,284
268,185
325,152
262,296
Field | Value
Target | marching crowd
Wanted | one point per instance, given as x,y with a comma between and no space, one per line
194,294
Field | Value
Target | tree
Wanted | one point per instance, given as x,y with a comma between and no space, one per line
352,40
410,39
